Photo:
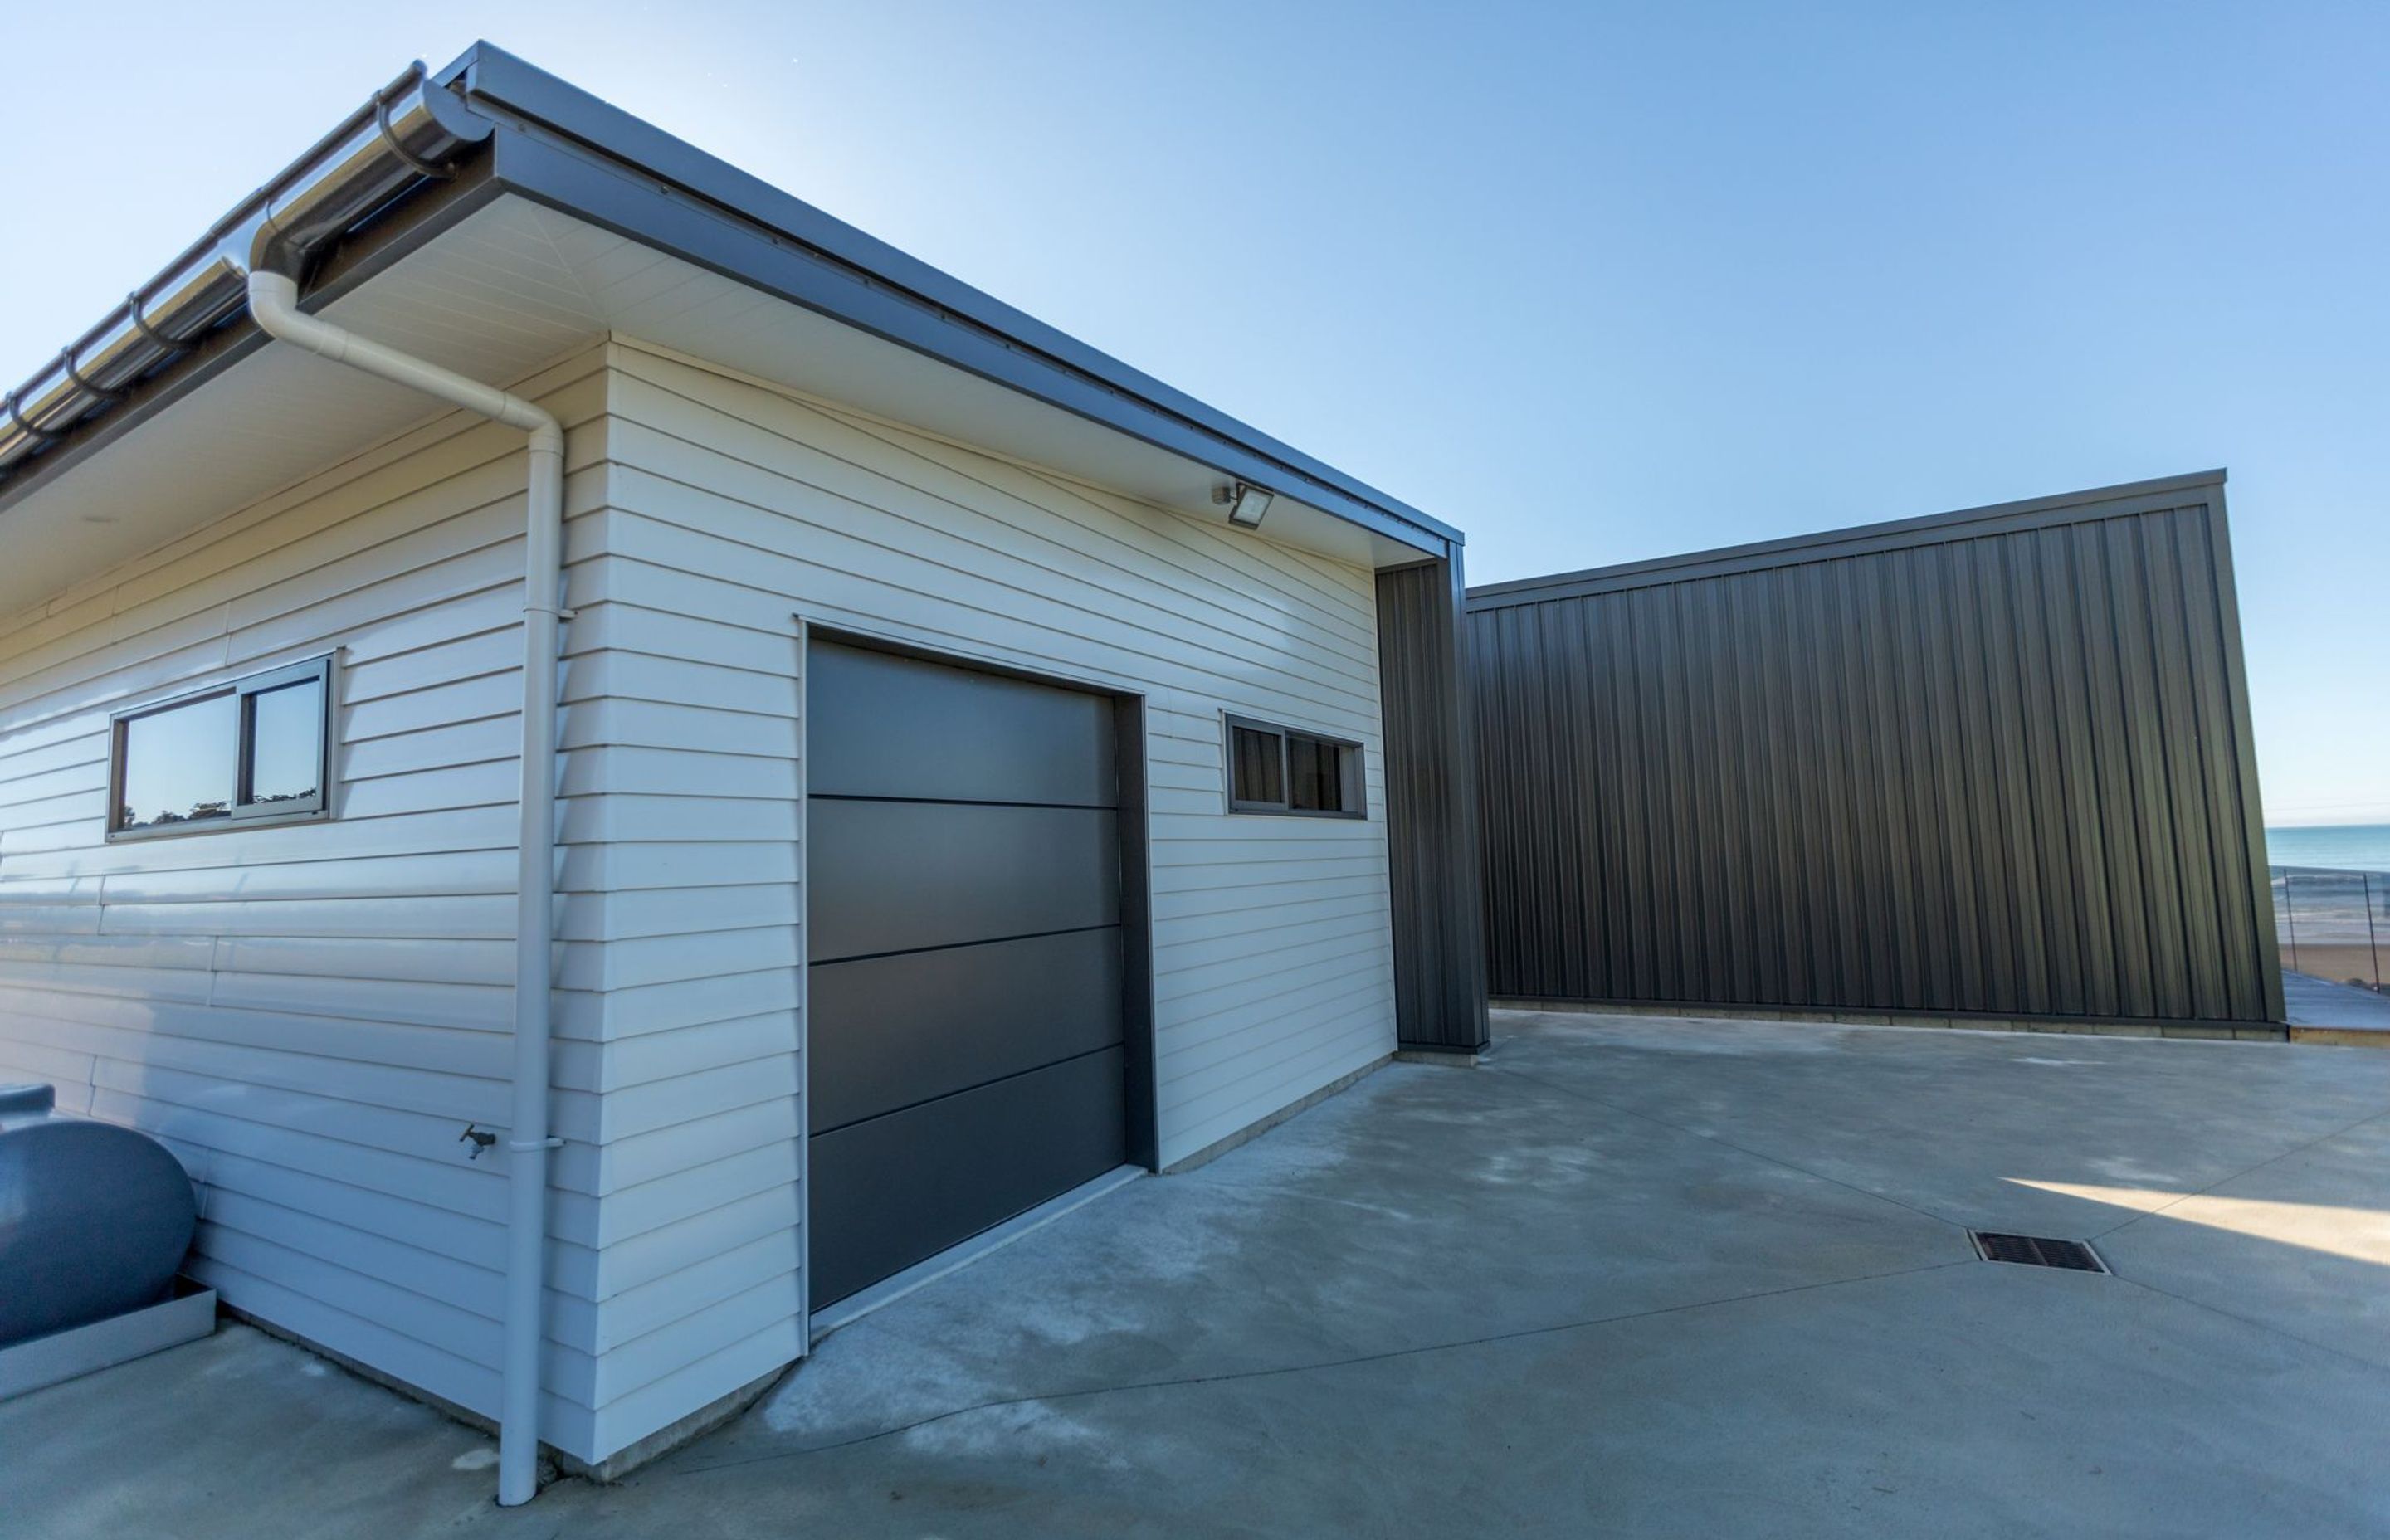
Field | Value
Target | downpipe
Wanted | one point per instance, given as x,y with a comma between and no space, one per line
274,303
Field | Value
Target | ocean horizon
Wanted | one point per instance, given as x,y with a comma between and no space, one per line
2348,847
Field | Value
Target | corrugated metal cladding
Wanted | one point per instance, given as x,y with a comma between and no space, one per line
1995,762
1432,807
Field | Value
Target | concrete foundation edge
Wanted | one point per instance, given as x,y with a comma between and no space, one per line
1452,1058
1255,1129
2212,1032
2342,1037
554,1462
664,1439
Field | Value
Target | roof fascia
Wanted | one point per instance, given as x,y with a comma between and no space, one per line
2073,507
567,149
392,237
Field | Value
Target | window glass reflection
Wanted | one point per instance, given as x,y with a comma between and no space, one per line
178,764
286,742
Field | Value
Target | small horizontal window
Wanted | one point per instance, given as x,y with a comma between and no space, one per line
1276,769
249,751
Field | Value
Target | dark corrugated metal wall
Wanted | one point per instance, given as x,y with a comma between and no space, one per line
1993,762
1430,811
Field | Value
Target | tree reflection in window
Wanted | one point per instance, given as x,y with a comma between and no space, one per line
286,742
253,749
178,764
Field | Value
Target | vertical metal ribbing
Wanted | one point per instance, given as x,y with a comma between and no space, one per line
1996,766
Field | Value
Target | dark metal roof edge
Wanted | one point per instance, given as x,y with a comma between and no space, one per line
409,134
393,234
490,76
600,134
2069,508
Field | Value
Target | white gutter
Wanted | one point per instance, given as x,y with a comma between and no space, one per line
411,133
274,303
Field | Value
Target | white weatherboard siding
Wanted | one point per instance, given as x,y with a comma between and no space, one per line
732,503
308,1015
729,508
682,863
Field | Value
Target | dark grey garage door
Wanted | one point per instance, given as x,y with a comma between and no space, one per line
967,1060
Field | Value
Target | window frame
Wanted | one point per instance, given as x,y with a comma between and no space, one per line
1353,772
241,813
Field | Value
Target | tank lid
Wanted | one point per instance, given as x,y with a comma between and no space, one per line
28,1099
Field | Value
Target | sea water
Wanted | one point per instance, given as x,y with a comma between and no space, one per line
2350,847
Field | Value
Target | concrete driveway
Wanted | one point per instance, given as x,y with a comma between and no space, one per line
1635,1276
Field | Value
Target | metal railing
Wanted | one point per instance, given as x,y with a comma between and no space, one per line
2333,924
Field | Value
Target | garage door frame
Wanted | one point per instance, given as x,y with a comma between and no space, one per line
1142,1090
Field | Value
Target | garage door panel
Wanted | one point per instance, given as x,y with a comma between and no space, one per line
884,726
894,876
911,1028
899,1189
965,1059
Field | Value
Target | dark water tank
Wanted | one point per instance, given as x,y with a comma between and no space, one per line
93,1218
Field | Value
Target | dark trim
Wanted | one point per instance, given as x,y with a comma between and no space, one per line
582,156
1139,1069
2033,513
2244,743
801,668
1432,819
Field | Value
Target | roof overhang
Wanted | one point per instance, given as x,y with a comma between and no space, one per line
523,253
2032,513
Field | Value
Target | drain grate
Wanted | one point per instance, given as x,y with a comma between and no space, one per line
2033,1251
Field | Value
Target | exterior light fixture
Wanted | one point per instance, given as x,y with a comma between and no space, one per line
1246,504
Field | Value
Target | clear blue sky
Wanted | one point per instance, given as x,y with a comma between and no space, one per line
1592,282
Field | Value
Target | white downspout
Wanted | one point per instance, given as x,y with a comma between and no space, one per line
274,303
